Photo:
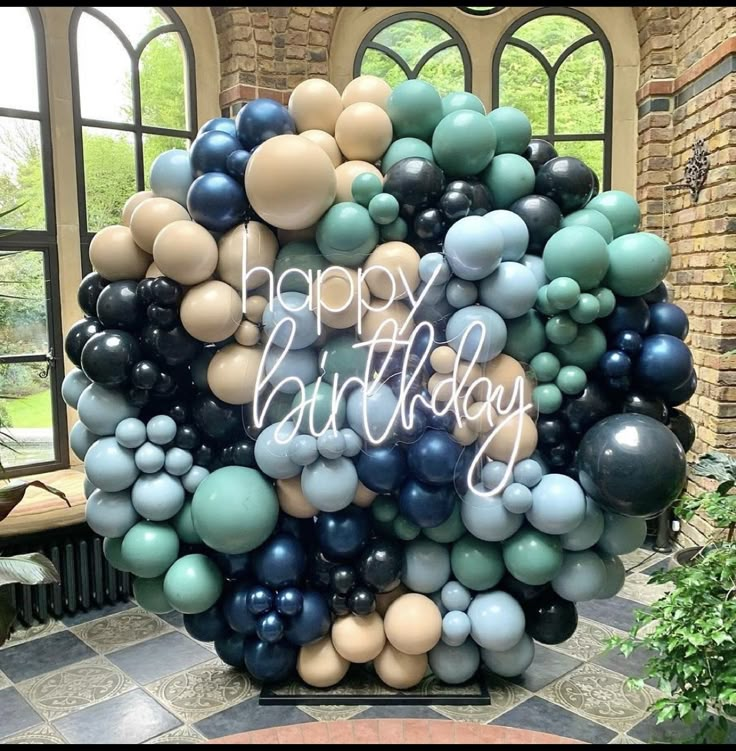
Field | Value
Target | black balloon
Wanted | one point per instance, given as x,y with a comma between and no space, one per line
215,418
178,411
455,205
524,593
632,465
567,181
339,604
481,201
78,335
166,291
683,392
361,601
320,570
592,405
145,374
542,217
341,535
551,430
243,453
682,426
658,294
204,455
539,152
415,183
342,579
138,397
144,291
550,619
165,384
630,314
187,437
88,292
429,224
381,564
230,649
108,357
174,346
645,405
162,316
118,306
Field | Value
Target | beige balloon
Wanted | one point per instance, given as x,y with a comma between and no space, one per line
398,669
346,173
292,500
373,320
287,236
383,600
364,497
364,131
464,434
359,638
327,143
442,359
260,247
151,216
254,307
290,182
396,261
133,203
340,296
211,311
233,373
501,447
247,334
320,665
153,271
504,370
442,387
366,89
186,252
114,254
315,104
413,624
482,417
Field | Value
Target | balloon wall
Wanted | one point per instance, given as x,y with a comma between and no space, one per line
376,378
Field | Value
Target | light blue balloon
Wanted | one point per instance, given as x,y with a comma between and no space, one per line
589,531
157,497
615,576
89,488
487,518
535,264
511,662
353,442
178,461
74,383
109,466
330,484
473,248
110,514
489,338
558,505
193,478
511,290
131,433
492,475
454,664
517,498
528,472
497,621
380,406
300,365
455,596
272,455
303,450
428,265
433,295
460,293
331,444
149,457
436,598
292,306
621,534
455,628
101,409
171,175
161,429
80,439
426,566
433,311
582,576
514,231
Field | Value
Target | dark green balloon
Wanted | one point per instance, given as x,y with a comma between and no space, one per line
384,509
509,177
149,594
319,410
450,530
302,255
585,351
463,143
525,336
579,253
415,108
532,557
404,529
343,359
477,564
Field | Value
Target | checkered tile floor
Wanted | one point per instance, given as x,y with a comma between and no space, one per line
124,675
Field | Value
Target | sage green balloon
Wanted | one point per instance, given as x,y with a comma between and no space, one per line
561,329
462,100
415,108
571,380
149,548
343,359
586,309
384,508
405,529
563,292
533,557
193,584
606,301
545,367
184,525
450,530
319,410
346,234
365,187
149,594
543,304
463,143
579,253
525,336
112,550
396,231
547,398
235,509
477,564
403,148
585,351
638,263
590,218
621,210
509,177
301,255
513,130
383,208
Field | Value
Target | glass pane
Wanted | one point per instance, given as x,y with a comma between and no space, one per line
375,63
480,10
18,90
21,174
109,174
135,23
580,91
104,89
411,39
23,328
154,145
162,74
445,71
26,415
591,152
523,84
552,35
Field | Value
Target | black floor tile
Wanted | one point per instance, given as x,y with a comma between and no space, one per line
42,655
543,716
401,711
617,612
155,658
631,666
94,614
547,667
16,713
131,718
248,715
675,732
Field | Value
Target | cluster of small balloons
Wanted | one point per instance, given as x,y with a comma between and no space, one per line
320,530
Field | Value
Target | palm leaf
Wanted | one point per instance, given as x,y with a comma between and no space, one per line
11,495
29,568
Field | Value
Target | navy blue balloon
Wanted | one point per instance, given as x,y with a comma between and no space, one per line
668,318
682,426
269,663
232,566
289,601
280,562
312,623
665,364
342,535
630,314
426,505
236,163
235,609
230,649
419,424
462,468
262,119
210,150
683,392
259,600
444,422
432,459
382,468
629,342
615,364
208,625
216,201
224,124
658,294
299,528
270,627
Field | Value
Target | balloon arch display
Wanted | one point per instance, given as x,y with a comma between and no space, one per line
376,378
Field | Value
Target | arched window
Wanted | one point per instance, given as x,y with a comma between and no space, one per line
415,45
556,66
481,10
32,415
141,102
